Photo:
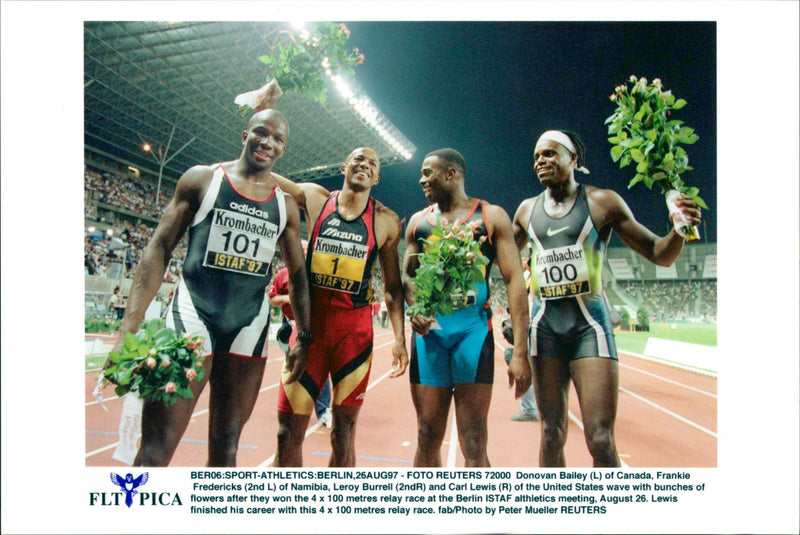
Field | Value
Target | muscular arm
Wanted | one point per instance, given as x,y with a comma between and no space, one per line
388,229
310,198
176,219
292,254
510,265
613,213
520,226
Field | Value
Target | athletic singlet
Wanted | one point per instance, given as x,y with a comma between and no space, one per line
478,301
232,241
340,256
569,317
566,253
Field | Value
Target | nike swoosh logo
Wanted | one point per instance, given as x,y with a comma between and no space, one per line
551,232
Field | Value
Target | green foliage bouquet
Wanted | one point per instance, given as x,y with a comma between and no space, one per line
157,363
302,64
642,133
449,267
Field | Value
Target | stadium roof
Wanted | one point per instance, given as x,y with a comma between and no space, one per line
172,84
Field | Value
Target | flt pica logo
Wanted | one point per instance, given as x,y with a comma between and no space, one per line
129,485
128,493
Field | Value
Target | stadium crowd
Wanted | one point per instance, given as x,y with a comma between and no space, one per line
676,300
100,248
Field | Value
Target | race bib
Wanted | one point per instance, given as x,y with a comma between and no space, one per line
240,243
338,265
561,272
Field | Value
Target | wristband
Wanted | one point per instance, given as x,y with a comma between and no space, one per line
305,336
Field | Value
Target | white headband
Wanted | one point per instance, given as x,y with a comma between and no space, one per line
562,139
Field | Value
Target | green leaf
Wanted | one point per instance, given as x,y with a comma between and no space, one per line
700,202
642,167
130,342
164,336
637,155
616,152
631,143
636,180
680,103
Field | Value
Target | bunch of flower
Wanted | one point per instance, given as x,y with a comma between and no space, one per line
309,56
157,363
642,132
449,267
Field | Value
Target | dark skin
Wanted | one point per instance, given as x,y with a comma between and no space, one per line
361,172
444,185
596,379
234,381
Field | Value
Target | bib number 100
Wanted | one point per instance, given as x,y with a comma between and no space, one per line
556,274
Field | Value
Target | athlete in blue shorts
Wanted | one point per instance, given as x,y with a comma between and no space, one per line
568,227
453,358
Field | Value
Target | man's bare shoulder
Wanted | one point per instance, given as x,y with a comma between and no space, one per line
196,177
386,216
382,209
607,198
529,202
495,212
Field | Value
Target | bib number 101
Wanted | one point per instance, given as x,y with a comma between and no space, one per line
240,243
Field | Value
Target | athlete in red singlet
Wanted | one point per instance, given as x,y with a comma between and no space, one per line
349,230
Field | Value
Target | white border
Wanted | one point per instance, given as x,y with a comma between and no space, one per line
44,482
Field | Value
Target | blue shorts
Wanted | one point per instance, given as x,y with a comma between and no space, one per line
448,356
572,328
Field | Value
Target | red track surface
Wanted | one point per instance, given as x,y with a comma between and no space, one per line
667,417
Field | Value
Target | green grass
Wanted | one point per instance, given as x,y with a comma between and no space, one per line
693,333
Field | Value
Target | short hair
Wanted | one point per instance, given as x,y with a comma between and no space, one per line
452,158
580,148
269,111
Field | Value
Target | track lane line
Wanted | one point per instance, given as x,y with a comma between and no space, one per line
676,383
669,412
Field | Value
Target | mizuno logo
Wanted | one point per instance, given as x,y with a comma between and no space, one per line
551,232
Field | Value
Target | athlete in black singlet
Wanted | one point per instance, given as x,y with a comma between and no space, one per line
237,216
568,227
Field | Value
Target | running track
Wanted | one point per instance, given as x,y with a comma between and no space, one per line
667,417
